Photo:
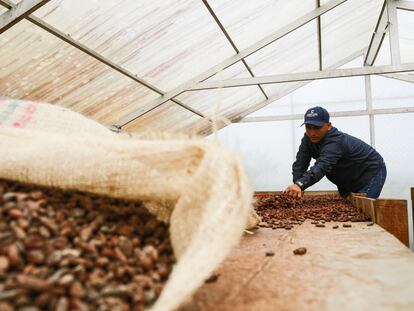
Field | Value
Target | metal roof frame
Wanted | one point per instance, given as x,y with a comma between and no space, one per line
59,34
304,76
243,115
233,59
387,21
351,113
18,12
223,29
319,35
405,5
394,37
377,37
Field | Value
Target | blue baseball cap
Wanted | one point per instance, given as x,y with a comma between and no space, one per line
316,116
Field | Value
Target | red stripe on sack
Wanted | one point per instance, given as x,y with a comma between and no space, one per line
27,116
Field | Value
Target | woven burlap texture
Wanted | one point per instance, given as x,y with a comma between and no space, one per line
195,185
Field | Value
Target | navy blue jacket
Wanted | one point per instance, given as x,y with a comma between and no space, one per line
346,161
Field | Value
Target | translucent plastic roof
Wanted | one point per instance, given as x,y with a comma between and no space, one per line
137,51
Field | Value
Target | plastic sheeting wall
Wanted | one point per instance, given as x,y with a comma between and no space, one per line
268,149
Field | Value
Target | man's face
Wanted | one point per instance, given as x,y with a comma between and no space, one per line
316,133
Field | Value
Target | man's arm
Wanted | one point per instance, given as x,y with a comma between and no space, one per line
303,159
301,164
330,154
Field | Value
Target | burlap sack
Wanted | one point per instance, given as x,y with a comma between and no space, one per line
195,185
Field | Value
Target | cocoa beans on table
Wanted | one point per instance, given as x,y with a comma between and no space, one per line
282,211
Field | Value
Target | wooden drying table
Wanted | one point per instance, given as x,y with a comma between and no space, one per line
359,268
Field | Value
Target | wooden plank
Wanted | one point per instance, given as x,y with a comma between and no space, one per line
412,203
359,268
368,208
367,205
392,215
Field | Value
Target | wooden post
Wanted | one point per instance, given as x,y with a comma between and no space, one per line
412,204
392,215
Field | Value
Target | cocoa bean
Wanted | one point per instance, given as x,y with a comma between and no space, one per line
43,300
32,283
126,230
4,264
19,232
62,304
10,294
14,255
86,233
79,305
212,279
9,196
16,213
35,256
145,261
36,195
66,280
300,251
77,290
44,232
120,255
102,261
5,306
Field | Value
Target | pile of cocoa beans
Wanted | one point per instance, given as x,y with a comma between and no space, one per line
63,250
282,211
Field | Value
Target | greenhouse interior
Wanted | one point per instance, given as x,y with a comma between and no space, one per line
206,155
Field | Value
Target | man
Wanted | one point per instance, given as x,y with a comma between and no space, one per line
348,162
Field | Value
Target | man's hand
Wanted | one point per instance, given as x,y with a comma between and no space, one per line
294,191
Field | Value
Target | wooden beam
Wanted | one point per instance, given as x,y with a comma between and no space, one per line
304,76
232,60
412,208
19,12
377,37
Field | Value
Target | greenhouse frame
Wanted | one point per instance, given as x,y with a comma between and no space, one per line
238,73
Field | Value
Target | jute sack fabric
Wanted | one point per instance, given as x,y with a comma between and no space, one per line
195,185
